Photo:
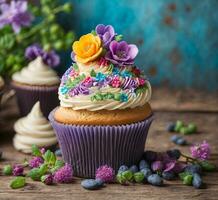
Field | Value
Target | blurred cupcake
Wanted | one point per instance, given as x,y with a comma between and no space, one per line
33,129
36,82
104,114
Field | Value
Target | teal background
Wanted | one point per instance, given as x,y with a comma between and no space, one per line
178,40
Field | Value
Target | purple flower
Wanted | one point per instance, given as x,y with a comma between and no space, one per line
129,83
64,174
174,166
121,53
51,58
16,14
18,170
42,150
105,173
201,151
106,33
157,166
33,51
35,162
47,179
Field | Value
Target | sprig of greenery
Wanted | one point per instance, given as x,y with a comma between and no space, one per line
44,30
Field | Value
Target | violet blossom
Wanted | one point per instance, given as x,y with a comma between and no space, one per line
106,33
105,173
64,174
129,83
200,151
33,51
50,58
121,53
35,162
18,170
80,89
16,14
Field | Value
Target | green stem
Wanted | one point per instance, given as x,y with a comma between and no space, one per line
36,28
189,159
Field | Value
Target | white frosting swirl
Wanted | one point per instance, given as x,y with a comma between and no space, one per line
84,101
81,101
33,129
37,73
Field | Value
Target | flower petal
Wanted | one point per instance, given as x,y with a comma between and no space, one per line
133,51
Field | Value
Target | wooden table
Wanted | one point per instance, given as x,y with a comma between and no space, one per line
158,139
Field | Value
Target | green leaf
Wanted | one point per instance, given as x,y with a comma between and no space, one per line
93,32
93,73
118,38
52,159
43,169
141,89
206,166
58,165
36,151
35,174
18,182
7,170
47,156
7,41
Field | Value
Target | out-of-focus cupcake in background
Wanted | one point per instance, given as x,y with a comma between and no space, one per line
38,81
33,129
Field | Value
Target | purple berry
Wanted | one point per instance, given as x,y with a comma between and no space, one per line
168,175
194,169
134,169
143,164
155,179
174,154
197,181
122,168
146,171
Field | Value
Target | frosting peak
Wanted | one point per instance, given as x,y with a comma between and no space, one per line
103,75
33,129
37,73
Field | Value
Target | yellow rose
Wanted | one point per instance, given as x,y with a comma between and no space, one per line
88,48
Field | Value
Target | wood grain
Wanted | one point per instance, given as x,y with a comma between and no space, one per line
158,140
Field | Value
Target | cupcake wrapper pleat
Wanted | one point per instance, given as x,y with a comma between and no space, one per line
88,147
27,96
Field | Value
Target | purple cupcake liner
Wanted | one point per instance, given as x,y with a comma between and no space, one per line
87,147
27,96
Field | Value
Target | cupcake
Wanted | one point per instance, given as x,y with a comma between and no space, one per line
36,82
33,129
104,114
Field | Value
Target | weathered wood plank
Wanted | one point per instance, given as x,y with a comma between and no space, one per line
158,139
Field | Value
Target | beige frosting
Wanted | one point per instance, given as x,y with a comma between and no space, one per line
1,82
84,101
33,129
36,73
